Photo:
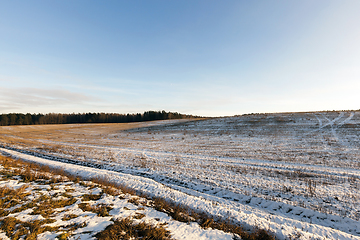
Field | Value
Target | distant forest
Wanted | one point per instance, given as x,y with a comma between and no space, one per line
59,118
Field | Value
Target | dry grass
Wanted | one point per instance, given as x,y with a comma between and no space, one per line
68,217
44,205
110,190
15,228
101,210
11,197
91,197
184,214
126,229
109,186
30,134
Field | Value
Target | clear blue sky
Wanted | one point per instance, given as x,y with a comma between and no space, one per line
211,58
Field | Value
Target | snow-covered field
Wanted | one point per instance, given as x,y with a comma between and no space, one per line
287,172
55,207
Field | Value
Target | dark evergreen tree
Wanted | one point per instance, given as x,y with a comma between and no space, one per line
58,118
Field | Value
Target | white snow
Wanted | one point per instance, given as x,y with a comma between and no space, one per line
256,169
281,225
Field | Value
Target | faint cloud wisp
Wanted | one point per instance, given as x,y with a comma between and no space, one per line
35,99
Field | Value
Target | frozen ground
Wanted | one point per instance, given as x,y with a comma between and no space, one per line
78,210
302,168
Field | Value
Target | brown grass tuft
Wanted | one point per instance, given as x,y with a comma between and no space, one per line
126,229
15,228
101,210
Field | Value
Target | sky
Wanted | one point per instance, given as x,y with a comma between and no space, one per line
209,58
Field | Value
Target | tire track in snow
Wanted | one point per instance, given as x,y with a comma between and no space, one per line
346,120
198,188
337,126
334,126
321,126
261,164
320,122
330,122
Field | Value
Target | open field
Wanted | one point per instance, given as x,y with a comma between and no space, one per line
38,202
291,173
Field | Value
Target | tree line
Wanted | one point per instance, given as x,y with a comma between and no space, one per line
60,118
